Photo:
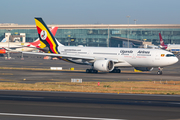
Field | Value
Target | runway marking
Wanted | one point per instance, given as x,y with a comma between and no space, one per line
98,79
54,116
143,79
22,97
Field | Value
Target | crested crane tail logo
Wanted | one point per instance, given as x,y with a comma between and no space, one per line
43,35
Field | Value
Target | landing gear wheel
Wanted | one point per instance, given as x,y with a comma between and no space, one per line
91,71
115,71
95,71
159,72
87,70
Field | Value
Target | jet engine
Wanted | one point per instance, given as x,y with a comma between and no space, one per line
104,65
2,51
144,68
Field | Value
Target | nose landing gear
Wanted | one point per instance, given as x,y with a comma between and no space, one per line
159,71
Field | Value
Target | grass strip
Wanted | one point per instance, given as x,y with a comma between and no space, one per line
137,87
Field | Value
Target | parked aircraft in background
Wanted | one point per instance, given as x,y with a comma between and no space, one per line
103,58
169,47
16,46
4,40
147,46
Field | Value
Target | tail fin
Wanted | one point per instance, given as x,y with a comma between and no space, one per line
46,37
37,44
161,40
53,30
4,40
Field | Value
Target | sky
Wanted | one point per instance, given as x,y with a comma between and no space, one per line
91,11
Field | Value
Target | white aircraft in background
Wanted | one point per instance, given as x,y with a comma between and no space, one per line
17,47
103,58
147,46
170,47
4,40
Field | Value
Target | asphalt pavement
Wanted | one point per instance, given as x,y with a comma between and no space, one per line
18,105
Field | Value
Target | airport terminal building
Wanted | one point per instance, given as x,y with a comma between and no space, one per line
100,35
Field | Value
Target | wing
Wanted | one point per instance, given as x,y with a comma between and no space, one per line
86,58
11,48
60,55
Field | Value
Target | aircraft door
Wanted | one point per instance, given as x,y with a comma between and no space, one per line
157,57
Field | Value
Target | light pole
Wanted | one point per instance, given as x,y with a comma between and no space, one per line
8,43
108,37
135,21
128,29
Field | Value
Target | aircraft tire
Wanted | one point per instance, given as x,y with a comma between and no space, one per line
87,71
95,71
119,70
159,72
115,71
91,71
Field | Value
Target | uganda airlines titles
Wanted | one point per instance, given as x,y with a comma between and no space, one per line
143,53
139,53
126,52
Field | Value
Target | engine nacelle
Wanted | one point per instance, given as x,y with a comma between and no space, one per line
104,65
144,68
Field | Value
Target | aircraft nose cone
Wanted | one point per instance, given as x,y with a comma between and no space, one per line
176,60
173,60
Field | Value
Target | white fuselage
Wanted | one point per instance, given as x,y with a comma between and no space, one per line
126,57
16,46
173,46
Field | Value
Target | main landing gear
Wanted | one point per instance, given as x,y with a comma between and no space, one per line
159,71
91,71
115,70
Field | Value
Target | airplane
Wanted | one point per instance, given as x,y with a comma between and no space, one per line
106,59
4,40
16,47
2,51
169,47
147,46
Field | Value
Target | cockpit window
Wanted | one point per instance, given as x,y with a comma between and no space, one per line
170,55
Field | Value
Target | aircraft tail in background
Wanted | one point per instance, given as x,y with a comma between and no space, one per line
4,40
162,45
54,30
161,40
37,42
